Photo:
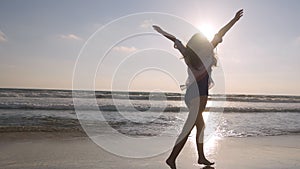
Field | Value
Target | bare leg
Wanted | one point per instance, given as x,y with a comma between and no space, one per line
182,138
200,132
175,152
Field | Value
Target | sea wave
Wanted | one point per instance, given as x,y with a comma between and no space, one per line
40,93
259,133
45,93
141,108
25,123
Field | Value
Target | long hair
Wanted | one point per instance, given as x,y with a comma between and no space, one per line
200,51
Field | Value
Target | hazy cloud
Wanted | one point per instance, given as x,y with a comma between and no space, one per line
146,23
124,49
3,37
70,37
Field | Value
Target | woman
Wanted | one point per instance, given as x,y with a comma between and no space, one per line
199,56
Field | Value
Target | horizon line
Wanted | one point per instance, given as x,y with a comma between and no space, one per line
145,91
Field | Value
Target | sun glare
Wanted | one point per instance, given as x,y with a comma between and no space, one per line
207,30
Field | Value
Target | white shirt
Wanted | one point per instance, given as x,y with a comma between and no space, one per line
205,53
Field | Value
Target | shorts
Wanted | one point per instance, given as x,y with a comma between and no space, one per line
196,89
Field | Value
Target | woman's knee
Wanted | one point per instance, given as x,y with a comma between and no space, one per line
183,135
200,125
199,121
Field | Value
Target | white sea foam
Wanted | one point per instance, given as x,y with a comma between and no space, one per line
244,115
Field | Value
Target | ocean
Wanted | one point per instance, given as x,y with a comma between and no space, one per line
146,114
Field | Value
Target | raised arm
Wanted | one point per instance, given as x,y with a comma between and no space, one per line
166,34
177,43
218,38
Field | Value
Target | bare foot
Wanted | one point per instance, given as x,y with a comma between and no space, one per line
171,163
208,167
205,162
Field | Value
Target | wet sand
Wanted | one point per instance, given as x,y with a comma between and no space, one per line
74,150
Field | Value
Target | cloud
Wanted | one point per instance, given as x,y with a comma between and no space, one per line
124,49
146,23
70,37
3,37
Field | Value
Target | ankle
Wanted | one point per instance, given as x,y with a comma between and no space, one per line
205,161
201,157
170,159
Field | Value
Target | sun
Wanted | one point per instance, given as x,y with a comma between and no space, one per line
207,30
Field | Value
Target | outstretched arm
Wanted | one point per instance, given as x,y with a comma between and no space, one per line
218,38
177,43
166,34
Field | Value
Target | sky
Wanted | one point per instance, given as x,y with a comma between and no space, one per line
44,43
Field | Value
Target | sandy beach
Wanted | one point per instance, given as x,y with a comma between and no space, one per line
106,85
57,150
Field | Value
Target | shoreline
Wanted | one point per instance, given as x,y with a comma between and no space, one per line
76,150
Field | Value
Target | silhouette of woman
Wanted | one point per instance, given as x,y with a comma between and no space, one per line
199,57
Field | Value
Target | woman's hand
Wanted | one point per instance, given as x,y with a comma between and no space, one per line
224,29
238,15
158,29
166,34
